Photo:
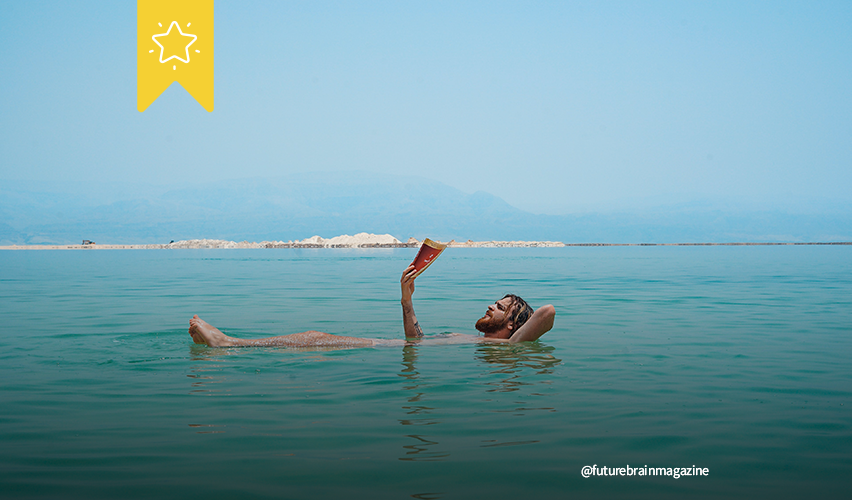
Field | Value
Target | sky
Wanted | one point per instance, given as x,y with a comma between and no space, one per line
556,107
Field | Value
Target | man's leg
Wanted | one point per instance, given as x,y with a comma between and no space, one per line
203,332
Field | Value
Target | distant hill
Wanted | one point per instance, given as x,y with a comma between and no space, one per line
329,204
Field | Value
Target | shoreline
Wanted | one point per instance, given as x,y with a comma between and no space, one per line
223,244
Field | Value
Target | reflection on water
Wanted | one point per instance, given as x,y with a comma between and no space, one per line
514,364
512,358
518,367
423,449
428,496
207,425
203,374
414,386
198,352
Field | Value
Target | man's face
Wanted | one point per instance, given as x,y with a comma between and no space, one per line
496,317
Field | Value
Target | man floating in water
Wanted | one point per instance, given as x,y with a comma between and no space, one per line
508,320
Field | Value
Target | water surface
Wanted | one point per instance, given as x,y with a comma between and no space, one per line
731,358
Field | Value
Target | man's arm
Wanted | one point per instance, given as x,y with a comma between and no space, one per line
409,320
539,323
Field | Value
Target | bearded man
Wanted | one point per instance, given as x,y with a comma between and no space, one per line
509,319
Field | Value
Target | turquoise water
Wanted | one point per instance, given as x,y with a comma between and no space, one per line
734,359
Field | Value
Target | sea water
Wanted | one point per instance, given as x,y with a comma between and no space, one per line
731,359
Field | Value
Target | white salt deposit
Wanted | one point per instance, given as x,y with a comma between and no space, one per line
346,241
204,243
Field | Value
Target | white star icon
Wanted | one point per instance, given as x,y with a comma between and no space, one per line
174,23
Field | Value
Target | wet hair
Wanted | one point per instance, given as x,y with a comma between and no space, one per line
521,311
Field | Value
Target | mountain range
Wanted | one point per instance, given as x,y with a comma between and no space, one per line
328,204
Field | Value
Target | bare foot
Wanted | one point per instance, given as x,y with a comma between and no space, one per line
203,332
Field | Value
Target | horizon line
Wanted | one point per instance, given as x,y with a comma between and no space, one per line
496,244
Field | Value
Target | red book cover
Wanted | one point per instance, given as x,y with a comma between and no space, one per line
429,251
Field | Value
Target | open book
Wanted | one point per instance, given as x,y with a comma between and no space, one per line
429,251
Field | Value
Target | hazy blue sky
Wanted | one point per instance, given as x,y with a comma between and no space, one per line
554,106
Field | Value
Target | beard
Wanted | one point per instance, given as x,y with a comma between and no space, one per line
489,325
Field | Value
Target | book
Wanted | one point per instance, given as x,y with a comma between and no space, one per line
429,251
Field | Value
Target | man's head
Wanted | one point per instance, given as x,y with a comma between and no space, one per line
504,317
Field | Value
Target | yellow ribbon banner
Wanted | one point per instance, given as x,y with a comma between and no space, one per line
174,43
